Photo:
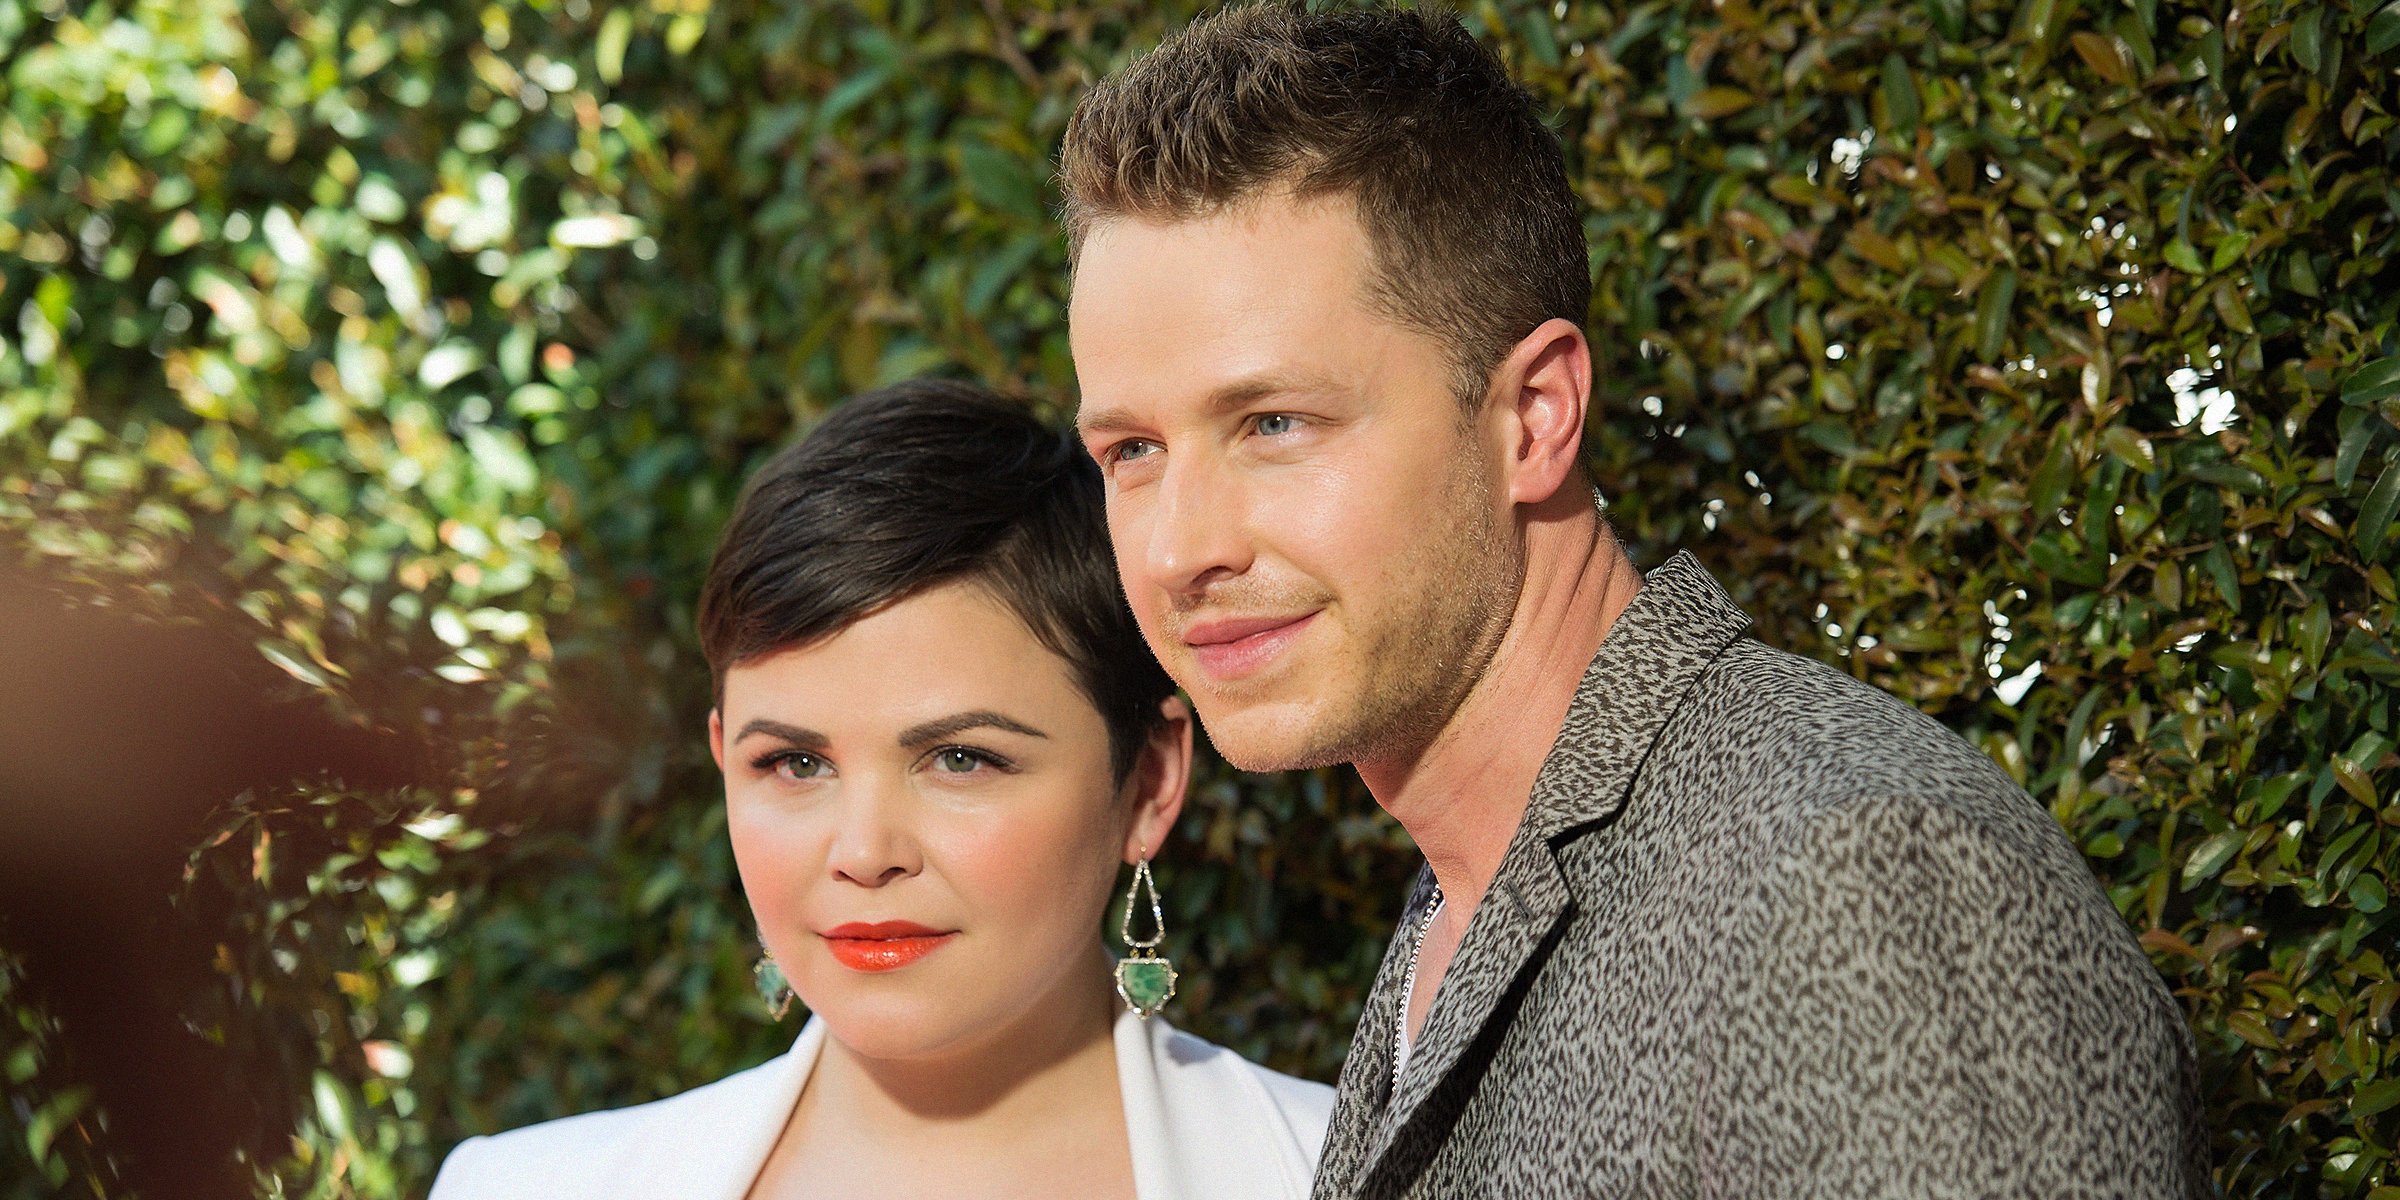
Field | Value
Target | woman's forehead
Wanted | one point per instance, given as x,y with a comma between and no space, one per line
947,649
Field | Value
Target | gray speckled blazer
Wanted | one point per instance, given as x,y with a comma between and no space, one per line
1766,931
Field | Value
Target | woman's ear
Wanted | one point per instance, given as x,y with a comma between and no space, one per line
1159,778
716,738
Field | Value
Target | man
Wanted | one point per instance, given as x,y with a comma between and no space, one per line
1700,918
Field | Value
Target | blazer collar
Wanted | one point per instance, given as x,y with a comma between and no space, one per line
714,1150
1679,622
1186,1104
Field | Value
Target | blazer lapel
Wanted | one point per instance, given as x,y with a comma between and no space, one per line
1677,624
713,1150
1510,929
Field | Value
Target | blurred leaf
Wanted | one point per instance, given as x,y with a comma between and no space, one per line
2373,382
2375,514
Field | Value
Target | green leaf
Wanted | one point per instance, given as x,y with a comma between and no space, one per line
2049,484
2210,856
2182,257
2367,892
2250,1028
608,51
1000,179
2229,251
2308,39
1900,102
1991,314
2131,448
2099,52
2360,432
2373,381
2219,563
2375,516
1711,103
52,1118
2035,21
2375,1097
2354,780
2383,31
502,458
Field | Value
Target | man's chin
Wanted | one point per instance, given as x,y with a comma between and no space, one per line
1261,738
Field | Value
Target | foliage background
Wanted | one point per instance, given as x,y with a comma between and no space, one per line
2037,360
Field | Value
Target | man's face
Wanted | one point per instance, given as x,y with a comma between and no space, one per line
1310,529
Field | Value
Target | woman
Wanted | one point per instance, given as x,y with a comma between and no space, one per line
940,735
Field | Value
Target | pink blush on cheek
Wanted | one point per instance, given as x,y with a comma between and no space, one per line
775,875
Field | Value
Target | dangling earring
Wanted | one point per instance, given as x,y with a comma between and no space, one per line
773,988
1145,981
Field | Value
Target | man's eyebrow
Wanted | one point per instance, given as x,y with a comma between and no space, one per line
917,737
1241,393
805,739
1089,421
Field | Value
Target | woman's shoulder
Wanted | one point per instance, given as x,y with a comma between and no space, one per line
607,1153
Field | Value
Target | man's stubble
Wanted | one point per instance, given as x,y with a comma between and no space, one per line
1422,657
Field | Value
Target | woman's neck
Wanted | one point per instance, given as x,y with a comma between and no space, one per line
1031,1107
1060,1047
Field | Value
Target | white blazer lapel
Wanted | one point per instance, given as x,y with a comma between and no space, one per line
1202,1122
709,1144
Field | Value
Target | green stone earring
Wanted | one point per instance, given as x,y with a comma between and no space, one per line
1145,981
773,988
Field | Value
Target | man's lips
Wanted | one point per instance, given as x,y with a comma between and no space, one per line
876,946
1231,649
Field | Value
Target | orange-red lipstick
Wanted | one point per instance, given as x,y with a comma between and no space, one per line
878,946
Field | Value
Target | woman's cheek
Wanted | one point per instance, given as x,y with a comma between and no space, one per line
769,855
1025,871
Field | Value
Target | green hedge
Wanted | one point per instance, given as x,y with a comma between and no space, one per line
2037,361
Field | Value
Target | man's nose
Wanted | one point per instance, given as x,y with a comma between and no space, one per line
1197,529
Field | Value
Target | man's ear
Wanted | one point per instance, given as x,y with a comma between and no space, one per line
1543,389
716,738
1160,775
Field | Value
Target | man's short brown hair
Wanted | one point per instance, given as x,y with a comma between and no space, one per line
1461,187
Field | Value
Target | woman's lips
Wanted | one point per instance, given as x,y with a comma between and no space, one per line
1232,649
883,945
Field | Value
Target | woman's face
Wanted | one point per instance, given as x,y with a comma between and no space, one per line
924,817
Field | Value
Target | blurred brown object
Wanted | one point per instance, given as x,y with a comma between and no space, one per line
121,731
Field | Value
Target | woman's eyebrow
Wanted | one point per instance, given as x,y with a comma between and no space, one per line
916,737
805,739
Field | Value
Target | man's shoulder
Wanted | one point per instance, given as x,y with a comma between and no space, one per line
1773,758
1796,733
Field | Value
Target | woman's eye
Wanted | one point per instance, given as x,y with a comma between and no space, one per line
1277,424
796,765
956,761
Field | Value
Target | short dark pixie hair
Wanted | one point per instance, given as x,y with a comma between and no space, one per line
1476,234
917,485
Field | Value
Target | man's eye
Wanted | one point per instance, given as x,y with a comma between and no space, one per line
1276,424
1129,450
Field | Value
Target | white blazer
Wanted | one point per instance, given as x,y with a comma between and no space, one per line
1204,1124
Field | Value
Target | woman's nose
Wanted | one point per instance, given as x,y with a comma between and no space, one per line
873,845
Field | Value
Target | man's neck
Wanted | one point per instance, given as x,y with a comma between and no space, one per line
1463,795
